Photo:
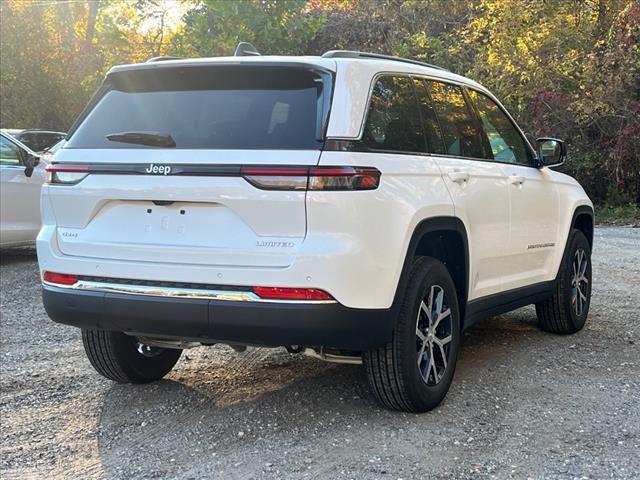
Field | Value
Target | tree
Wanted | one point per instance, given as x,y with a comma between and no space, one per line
215,27
54,55
569,68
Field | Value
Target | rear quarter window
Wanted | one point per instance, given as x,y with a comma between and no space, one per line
393,120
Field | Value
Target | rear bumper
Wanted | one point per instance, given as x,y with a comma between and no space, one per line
209,321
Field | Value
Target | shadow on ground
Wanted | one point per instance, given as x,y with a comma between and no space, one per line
11,256
217,411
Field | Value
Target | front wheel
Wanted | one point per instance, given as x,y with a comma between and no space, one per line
567,309
123,359
414,370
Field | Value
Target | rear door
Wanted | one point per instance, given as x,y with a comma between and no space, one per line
478,188
195,199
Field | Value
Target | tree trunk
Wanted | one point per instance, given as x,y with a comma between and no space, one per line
91,20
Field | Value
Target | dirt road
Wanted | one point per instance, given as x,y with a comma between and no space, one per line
523,403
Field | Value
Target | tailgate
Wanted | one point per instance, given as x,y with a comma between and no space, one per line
189,219
164,149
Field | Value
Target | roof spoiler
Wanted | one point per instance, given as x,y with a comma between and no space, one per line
245,49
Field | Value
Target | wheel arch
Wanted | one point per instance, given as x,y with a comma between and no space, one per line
443,238
583,221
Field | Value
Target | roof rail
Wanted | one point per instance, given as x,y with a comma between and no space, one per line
376,56
162,59
245,49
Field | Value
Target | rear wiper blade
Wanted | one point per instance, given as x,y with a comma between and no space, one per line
153,139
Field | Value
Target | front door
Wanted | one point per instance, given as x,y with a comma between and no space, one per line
533,198
19,197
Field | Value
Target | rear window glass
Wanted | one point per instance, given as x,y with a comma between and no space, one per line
211,108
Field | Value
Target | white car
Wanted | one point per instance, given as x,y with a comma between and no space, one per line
355,207
37,140
21,178
47,153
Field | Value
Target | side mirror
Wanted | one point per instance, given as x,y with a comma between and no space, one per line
30,162
551,152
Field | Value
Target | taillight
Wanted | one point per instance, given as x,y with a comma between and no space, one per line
62,174
59,278
344,178
276,178
282,293
312,178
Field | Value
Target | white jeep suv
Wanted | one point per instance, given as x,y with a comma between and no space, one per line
355,207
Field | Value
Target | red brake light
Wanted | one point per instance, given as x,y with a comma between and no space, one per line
60,278
344,178
67,168
66,174
280,293
275,171
312,178
276,178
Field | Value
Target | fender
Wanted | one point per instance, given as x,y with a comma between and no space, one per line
426,226
580,210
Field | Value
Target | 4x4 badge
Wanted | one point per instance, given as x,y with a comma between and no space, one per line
158,169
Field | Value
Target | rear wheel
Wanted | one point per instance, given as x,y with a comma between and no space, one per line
567,309
122,358
414,370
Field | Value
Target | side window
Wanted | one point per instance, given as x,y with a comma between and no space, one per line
507,145
432,130
9,153
462,137
393,120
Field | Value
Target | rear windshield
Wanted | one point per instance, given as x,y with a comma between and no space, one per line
39,141
218,107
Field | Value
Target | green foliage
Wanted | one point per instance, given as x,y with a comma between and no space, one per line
54,55
628,214
215,27
41,65
567,68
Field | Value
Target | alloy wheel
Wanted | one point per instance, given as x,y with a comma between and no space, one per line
579,282
433,336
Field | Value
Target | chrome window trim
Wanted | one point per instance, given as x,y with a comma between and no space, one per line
434,77
394,73
172,292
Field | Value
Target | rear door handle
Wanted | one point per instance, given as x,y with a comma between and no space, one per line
516,179
459,177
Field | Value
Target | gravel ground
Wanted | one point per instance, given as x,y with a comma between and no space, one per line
523,403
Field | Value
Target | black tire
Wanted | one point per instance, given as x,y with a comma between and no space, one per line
392,370
115,356
559,313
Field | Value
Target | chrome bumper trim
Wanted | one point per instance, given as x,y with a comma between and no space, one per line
154,291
